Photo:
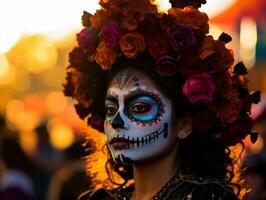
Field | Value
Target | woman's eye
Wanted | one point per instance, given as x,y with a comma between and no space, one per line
140,108
110,110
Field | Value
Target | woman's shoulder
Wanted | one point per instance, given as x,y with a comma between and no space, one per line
198,188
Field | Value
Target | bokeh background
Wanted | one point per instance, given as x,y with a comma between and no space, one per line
35,38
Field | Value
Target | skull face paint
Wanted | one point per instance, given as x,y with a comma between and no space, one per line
138,122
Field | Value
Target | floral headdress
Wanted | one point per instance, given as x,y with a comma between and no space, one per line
178,42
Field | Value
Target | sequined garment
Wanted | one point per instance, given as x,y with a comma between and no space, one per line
178,188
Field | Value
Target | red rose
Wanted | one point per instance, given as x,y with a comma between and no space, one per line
158,47
87,39
166,66
191,64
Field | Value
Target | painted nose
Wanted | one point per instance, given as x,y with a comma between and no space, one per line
118,122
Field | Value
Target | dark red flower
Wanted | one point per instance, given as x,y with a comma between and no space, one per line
158,47
111,34
87,39
191,64
181,37
78,57
166,66
68,85
237,130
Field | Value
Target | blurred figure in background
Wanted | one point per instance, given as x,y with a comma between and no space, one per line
256,177
70,180
16,178
48,160
255,165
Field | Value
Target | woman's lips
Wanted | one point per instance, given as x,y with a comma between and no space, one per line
120,143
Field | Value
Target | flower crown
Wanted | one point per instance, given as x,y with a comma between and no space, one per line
178,43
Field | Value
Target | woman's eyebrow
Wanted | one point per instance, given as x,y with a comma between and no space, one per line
135,93
111,98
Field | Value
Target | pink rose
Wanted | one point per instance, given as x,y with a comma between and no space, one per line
87,39
199,89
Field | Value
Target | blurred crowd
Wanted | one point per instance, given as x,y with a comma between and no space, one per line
46,174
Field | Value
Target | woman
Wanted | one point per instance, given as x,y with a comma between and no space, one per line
166,97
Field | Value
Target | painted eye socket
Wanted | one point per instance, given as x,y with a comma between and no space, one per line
142,108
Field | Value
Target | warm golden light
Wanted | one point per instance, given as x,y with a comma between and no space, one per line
4,66
35,53
163,5
236,153
28,141
61,135
13,108
93,5
22,80
248,33
254,148
248,41
8,36
6,72
215,31
56,102
19,117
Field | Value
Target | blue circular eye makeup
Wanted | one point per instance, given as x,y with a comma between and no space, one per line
143,108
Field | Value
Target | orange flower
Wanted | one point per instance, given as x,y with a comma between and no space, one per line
131,44
105,56
224,58
113,6
132,18
216,54
191,17
208,47
99,19
135,12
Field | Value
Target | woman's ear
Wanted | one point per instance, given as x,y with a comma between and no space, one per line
185,127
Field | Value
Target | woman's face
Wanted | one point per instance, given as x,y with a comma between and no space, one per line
138,122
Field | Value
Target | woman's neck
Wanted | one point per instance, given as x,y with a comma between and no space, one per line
152,175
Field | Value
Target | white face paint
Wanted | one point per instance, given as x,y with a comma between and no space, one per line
138,121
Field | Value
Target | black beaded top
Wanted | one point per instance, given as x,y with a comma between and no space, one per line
178,188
